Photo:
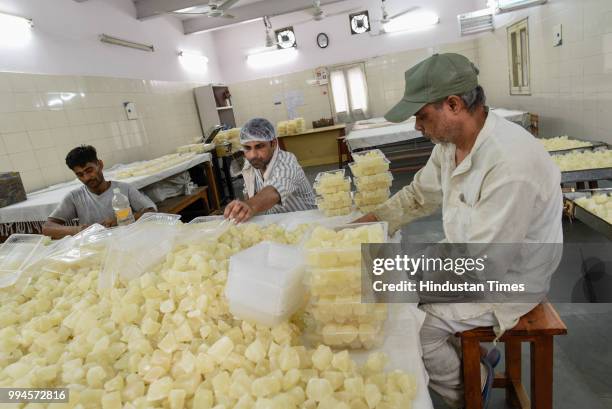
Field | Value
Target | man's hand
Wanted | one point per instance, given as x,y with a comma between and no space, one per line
239,211
368,218
110,222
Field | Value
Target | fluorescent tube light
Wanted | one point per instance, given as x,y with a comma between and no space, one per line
125,43
510,5
412,21
270,58
193,61
15,30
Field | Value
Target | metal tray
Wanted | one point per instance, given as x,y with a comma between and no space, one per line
595,145
594,222
586,175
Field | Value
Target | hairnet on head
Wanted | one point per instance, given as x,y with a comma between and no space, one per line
257,129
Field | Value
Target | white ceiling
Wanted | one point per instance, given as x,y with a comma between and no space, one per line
243,11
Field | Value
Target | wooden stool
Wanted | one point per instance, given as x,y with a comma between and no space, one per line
343,150
537,327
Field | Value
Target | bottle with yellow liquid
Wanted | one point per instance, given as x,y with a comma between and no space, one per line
122,208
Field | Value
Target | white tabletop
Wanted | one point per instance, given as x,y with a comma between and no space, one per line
41,203
375,132
401,340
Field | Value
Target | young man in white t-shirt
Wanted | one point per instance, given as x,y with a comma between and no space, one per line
92,202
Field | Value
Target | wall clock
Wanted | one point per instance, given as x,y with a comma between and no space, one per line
322,40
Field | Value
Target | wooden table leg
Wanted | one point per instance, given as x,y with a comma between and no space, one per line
542,373
471,373
212,182
339,140
513,370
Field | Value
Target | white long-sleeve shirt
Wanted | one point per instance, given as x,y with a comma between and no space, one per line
506,190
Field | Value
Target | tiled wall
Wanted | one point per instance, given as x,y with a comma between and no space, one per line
571,84
385,79
42,117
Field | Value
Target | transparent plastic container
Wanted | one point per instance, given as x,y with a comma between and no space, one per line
341,246
346,310
332,181
372,197
370,155
342,211
138,247
17,253
368,208
369,167
349,336
265,283
334,281
374,182
334,201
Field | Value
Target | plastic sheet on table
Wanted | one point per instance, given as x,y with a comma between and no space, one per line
17,254
138,248
72,249
204,228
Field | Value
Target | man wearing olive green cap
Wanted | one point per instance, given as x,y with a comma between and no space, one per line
495,184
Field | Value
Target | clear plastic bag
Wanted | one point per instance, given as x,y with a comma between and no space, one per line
203,228
17,254
138,247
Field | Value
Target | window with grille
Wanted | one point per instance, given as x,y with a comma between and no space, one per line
349,92
518,58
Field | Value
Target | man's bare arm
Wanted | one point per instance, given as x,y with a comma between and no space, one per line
57,229
139,214
264,200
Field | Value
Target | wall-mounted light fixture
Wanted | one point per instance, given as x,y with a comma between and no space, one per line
193,61
190,55
125,43
412,21
14,30
271,58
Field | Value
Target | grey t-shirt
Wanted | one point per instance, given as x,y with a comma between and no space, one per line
91,208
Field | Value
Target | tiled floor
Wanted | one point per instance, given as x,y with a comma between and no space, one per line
583,362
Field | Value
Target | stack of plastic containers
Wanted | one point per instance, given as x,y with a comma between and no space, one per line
335,315
265,283
372,179
334,193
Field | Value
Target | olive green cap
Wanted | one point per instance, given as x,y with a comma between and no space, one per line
432,80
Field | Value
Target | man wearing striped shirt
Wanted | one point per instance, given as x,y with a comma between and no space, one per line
274,182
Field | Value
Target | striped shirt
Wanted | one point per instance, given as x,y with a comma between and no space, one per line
289,180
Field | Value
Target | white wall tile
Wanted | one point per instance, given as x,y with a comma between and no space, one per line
11,122
32,180
47,157
16,142
5,164
41,139
53,174
23,161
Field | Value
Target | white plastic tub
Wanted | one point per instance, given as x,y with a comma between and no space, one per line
265,283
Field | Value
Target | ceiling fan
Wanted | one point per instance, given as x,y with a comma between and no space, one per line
215,9
318,14
387,19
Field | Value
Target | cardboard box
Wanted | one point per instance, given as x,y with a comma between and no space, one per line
11,189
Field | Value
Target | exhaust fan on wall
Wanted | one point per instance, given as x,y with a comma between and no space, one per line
476,22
